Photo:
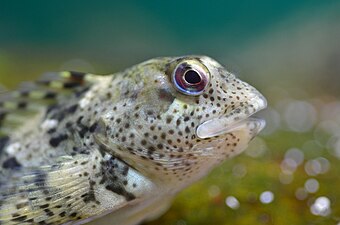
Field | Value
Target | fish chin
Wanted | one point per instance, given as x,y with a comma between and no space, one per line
215,127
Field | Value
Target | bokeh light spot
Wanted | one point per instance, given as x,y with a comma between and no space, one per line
312,185
300,116
266,197
321,206
232,202
301,194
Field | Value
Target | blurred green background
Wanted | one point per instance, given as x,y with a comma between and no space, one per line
289,50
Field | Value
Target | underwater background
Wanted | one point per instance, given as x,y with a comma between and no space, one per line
289,50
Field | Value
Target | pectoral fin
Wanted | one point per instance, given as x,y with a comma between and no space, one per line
49,194
77,188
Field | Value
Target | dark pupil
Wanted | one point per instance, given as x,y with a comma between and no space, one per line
192,77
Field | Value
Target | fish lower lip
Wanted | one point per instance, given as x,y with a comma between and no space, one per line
220,126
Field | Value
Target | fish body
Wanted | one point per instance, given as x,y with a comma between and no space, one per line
76,147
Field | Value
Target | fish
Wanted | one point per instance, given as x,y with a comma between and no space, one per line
81,148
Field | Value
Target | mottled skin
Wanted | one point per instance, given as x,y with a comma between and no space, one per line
123,144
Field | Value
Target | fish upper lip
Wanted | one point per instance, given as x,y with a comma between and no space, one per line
217,126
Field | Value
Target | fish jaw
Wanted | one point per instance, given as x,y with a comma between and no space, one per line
236,121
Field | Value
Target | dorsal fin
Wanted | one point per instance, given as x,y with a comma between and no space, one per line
36,97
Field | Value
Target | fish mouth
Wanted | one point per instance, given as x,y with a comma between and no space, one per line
223,125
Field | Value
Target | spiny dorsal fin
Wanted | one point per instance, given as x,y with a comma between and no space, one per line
32,98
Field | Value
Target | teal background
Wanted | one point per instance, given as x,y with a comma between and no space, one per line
135,30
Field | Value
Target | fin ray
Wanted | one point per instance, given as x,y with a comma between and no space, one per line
68,191
40,193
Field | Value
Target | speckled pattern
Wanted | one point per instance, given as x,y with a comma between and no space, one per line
77,146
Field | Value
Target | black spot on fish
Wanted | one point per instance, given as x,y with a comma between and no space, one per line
74,214
24,93
70,85
11,163
2,116
44,206
120,190
48,212
55,141
40,178
50,95
113,177
83,130
93,127
52,130
79,119
20,218
77,76
59,113
3,142
82,91
72,108
90,197
51,108
56,113
22,105
125,170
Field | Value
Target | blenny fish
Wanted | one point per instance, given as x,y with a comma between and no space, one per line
75,147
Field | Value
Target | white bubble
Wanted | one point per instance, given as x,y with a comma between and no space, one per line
239,170
314,167
301,194
311,185
266,197
300,116
317,166
321,206
214,191
324,164
295,154
232,202
288,166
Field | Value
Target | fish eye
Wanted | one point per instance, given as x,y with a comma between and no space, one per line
190,77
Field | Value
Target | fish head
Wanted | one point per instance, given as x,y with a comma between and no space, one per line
187,115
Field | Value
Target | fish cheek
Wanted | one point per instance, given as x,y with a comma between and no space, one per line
158,102
165,95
